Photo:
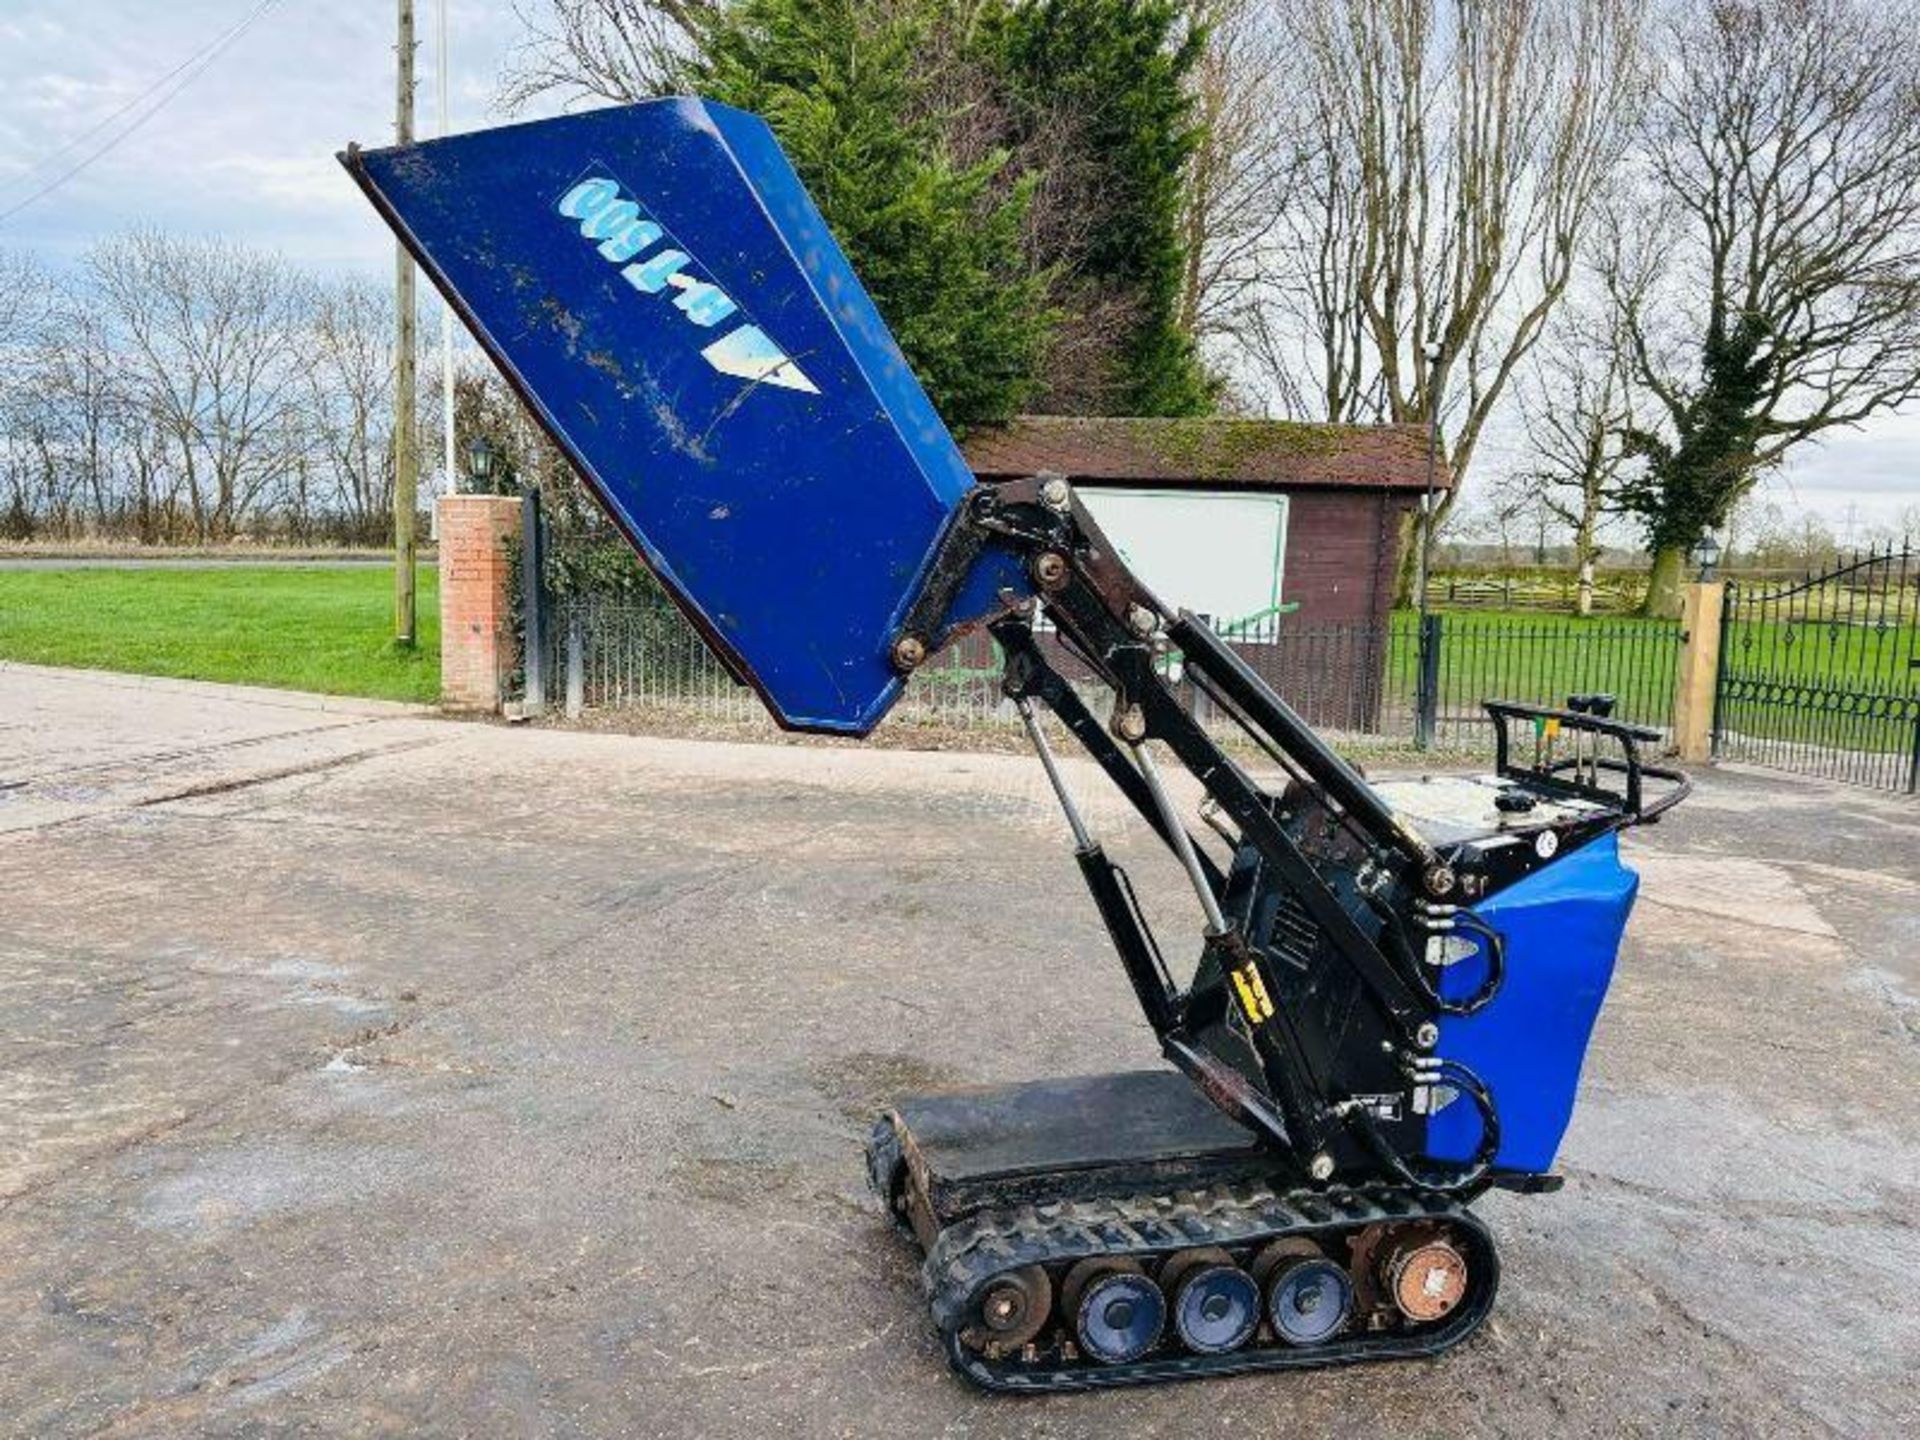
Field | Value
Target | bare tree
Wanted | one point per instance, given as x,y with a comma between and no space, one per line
84,392
584,52
1907,525
349,408
1237,181
1575,403
212,340
61,401
1503,513
23,303
1782,161
23,316
1448,159
175,390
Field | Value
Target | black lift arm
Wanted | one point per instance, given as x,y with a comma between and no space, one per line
1312,1006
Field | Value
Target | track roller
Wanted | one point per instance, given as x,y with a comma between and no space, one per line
1117,1313
1216,1304
1309,1297
1424,1278
1014,1309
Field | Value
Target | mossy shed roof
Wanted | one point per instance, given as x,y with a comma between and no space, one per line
1214,453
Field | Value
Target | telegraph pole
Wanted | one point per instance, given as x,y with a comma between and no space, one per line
406,458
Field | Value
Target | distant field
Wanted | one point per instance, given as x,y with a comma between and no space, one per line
293,627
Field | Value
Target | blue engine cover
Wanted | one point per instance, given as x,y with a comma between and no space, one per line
658,286
1562,926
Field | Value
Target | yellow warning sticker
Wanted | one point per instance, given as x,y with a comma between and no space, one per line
1252,991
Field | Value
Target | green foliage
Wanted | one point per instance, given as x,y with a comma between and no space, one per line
1689,483
604,567
936,243
1114,74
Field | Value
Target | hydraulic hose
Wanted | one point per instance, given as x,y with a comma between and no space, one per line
1494,946
1427,1177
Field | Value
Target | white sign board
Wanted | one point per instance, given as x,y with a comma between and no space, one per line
1217,554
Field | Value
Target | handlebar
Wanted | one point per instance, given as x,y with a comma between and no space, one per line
1550,774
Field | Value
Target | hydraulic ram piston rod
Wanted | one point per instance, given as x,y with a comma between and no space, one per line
1181,842
1081,839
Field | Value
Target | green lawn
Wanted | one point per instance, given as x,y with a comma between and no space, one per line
1542,658
1552,651
290,626
1810,671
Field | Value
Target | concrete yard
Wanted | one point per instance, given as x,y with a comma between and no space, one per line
363,1072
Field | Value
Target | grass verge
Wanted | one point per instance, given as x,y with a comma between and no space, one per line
292,627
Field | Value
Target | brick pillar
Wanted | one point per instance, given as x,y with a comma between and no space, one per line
476,624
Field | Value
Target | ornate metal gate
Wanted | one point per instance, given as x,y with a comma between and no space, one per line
1822,676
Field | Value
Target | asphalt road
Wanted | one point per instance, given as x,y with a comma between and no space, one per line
367,1073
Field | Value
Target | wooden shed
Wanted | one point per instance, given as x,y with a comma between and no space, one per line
1346,490
1285,535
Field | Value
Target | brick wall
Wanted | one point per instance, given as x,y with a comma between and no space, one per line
1342,553
1342,563
476,625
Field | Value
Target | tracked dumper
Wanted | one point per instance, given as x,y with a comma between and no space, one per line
1395,983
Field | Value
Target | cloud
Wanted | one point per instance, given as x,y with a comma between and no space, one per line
246,149
283,182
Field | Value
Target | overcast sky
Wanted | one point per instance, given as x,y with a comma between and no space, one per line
245,149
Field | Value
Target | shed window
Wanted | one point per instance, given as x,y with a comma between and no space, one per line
1220,554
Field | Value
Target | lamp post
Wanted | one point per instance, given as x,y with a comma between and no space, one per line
479,465
1436,357
449,456
1706,555
1426,700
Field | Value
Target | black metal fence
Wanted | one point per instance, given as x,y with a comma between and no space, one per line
1541,660
1345,679
1822,675
1341,678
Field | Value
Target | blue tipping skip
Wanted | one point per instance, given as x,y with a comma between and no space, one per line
1562,926
660,287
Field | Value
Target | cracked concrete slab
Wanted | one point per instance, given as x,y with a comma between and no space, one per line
75,744
1732,887
432,1078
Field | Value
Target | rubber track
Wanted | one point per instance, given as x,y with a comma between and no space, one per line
971,1252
